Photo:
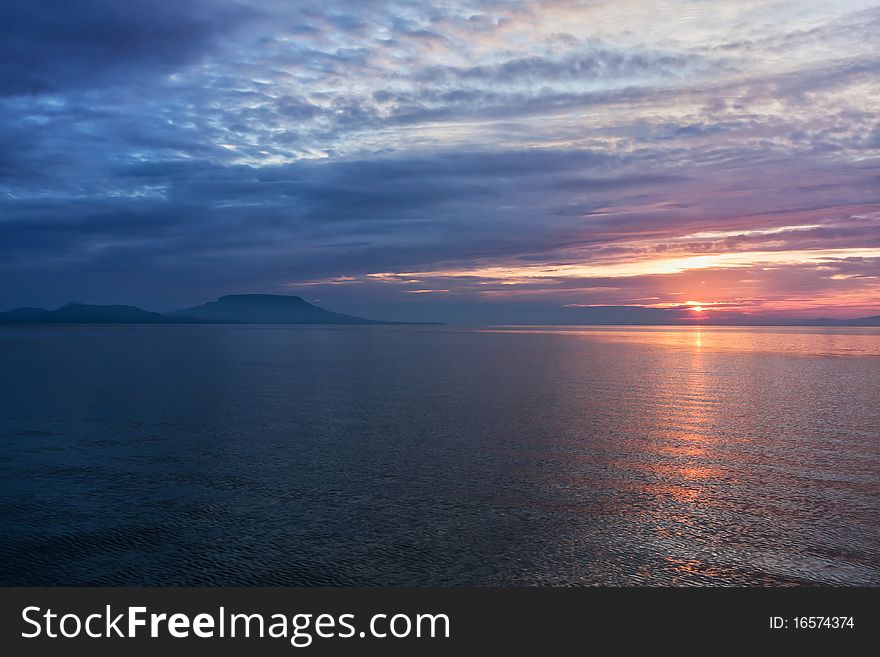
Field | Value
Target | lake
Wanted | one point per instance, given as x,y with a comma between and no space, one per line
404,455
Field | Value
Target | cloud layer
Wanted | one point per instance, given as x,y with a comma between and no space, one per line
461,161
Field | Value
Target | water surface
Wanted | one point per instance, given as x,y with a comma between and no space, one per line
439,456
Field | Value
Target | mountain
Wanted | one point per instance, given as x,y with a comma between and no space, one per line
23,315
231,309
283,309
268,309
860,321
683,316
81,313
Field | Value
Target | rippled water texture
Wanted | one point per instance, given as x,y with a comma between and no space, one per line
438,456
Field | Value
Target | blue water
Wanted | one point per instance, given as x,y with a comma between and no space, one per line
438,456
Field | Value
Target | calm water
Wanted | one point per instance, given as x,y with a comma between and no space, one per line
421,455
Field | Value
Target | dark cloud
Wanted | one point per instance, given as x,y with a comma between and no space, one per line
49,46
319,140
598,62
203,206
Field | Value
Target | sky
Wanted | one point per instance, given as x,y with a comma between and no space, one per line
477,161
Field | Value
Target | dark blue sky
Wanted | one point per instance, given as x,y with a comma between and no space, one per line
457,161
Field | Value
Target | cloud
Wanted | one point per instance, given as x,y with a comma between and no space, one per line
48,46
213,146
598,61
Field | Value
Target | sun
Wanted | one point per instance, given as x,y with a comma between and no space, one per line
698,309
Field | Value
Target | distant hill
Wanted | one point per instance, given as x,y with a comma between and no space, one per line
268,309
81,313
860,321
23,315
231,309
284,309
640,316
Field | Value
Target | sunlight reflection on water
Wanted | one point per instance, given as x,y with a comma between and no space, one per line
439,456
806,341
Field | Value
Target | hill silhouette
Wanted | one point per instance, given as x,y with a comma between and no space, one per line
859,321
267,309
289,309
230,309
81,313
